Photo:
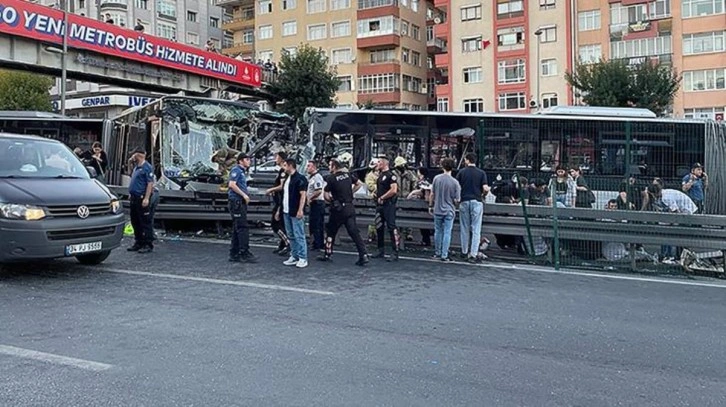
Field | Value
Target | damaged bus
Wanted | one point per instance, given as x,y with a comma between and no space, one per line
192,143
608,144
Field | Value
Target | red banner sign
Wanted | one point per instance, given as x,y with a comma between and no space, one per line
42,23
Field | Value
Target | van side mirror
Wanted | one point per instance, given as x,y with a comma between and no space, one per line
92,172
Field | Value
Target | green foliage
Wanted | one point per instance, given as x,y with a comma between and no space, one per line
368,105
25,91
305,80
614,83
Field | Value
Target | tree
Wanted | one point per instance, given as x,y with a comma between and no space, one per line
305,80
25,91
615,83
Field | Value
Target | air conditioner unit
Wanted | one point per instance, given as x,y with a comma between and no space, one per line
437,20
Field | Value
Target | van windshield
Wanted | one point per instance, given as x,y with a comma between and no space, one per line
30,158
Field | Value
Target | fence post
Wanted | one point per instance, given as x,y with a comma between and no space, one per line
480,139
628,141
555,235
530,249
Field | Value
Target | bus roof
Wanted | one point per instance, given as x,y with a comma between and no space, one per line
599,111
497,114
22,114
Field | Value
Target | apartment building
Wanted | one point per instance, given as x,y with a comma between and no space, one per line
378,47
504,56
188,21
689,34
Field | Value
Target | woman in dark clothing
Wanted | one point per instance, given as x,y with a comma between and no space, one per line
584,196
97,159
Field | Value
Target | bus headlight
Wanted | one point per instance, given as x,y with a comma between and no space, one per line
116,206
21,212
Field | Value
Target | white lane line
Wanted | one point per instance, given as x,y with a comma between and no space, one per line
219,281
521,267
54,359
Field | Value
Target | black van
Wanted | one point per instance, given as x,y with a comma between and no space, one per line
51,206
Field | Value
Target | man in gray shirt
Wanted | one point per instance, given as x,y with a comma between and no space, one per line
445,195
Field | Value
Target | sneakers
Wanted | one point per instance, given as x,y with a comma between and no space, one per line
362,261
248,258
301,264
323,257
291,261
134,248
446,259
284,252
234,259
146,249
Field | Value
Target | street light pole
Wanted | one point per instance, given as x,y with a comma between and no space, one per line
539,66
64,73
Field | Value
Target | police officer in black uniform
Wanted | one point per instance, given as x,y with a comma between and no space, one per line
238,196
278,223
386,196
339,190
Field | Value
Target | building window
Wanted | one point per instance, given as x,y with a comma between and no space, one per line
703,43
339,4
549,34
471,44
659,9
346,83
416,32
317,32
442,104
228,40
472,75
549,67
289,4
704,113
642,47
510,8
316,6
415,58
549,100
374,27
166,8
588,20
473,105
265,55
265,32
214,22
510,36
289,28
710,79
340,29
405,53
142,4
166,30
514,71
546,4
471,13
590,53
192,38
192,16
697,8
381,83
265,6
411,84
248,37
623,15
383,55
512,101
119,18
341,56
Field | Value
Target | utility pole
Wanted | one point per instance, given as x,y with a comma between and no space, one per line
538,33
64,55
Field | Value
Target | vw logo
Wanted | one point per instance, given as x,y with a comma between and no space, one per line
83,212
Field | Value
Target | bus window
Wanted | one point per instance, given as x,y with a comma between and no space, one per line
508,150
456,145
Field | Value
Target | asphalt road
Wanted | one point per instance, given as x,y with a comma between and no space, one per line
185,328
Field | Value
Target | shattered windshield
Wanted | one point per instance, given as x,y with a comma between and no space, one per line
201,137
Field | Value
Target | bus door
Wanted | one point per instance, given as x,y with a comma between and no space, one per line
393,141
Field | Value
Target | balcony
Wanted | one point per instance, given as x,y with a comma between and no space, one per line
442,90
436,46
379,41
234,3
240,49
239,24
441,30
393,97
442,4
665,59
375,68
442,60
118,4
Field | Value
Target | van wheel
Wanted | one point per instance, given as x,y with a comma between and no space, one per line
94,258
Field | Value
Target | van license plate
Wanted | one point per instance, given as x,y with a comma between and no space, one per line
83,248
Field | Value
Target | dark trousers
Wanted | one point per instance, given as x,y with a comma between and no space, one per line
386,221
278,226
142,220
344,217
240,231
699,205
317,224
426,236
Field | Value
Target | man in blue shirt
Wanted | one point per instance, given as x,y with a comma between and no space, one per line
142,201
474,186
695,184
239,198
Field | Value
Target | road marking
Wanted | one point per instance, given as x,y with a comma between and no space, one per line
54,359
521,267
219,281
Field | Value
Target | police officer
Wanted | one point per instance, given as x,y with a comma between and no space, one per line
386,197
278,223
239,198
339,189
142,199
